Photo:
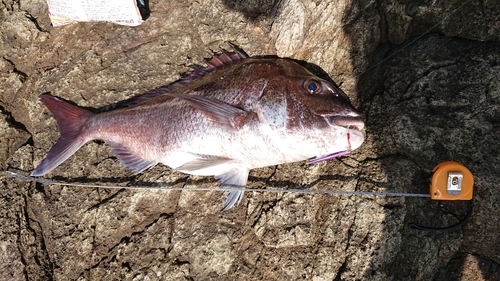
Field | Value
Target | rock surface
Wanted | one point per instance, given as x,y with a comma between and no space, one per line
435,98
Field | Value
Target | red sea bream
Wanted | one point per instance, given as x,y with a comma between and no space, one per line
235,115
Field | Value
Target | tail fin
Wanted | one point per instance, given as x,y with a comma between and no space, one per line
70,119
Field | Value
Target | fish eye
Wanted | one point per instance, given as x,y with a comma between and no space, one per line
312,86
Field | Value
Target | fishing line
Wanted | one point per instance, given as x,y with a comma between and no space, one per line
363,193
446,182
414,40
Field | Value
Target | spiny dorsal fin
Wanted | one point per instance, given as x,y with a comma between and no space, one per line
216,62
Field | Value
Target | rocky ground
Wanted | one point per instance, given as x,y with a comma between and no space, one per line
436,99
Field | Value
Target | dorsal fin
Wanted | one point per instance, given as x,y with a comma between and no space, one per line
216,62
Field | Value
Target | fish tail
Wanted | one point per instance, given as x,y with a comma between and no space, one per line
70,120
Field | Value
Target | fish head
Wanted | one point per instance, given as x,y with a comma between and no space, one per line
317,113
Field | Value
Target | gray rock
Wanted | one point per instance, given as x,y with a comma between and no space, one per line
436,98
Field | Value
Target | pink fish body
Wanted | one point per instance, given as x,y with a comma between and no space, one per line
233,116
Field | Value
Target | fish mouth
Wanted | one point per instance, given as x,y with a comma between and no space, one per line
349,122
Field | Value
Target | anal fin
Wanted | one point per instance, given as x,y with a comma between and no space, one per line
129,160
233,179
204,162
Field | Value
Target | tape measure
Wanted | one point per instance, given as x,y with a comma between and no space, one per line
450,181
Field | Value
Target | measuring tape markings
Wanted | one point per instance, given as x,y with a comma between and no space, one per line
271,190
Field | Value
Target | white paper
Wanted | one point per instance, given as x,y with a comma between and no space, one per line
124,12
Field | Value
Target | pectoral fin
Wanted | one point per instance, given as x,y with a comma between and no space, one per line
217,111
233,179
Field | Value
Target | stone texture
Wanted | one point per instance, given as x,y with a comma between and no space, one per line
433,98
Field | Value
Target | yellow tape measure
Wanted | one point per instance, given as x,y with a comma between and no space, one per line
451,181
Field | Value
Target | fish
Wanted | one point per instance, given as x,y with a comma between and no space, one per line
236,114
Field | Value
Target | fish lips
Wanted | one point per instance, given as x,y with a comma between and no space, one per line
354,124
350,122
